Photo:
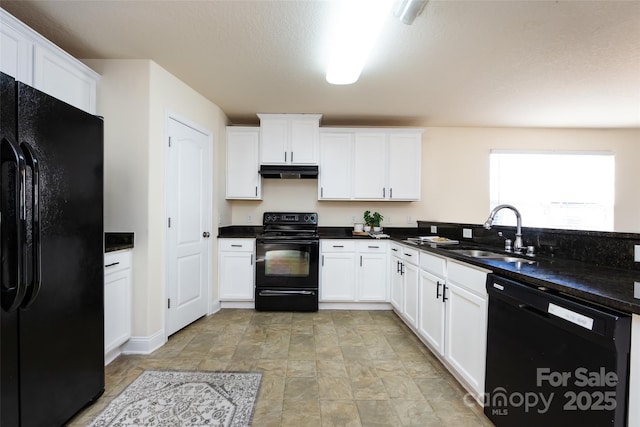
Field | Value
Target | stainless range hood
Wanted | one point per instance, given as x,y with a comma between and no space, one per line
289,172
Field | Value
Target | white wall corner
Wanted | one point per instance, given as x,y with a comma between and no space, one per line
215,307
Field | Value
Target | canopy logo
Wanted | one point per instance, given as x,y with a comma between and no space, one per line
580,397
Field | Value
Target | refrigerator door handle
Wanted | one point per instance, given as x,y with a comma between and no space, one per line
13,293
34,288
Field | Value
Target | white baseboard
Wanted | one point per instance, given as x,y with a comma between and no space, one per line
237,304
355,306
144,345
112,355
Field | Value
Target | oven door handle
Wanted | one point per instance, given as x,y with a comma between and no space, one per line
270,293
285,241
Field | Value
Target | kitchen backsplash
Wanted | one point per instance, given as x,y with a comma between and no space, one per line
595,247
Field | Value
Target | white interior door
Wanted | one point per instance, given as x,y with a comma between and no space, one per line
189,225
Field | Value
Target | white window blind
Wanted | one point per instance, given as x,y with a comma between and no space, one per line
568,190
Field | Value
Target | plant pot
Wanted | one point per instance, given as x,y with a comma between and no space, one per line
376,229
367,228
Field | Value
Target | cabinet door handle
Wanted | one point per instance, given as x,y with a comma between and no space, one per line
360,260
402,268
397,266
251,261
285,157
292,157
112,264
323,260
256,191
391,193
444,291
321,191
438,284
383,192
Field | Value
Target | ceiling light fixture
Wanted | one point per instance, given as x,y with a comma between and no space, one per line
358,26
407,10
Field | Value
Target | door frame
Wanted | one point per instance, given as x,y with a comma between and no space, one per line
170,115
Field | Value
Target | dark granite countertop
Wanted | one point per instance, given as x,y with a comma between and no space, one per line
239,231
117,241
607,286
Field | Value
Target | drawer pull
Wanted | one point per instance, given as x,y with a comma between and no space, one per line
338,246
374,247
112,264
236,246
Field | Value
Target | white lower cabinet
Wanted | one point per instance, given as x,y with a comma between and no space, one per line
466,322
117,301
395,270
236,269
404,282
372,271
338,277
353,271
431,317
453,316
410,286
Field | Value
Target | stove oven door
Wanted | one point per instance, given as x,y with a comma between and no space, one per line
287,275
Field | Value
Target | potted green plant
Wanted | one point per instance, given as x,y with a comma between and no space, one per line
373,220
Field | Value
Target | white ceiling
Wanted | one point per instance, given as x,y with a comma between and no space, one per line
461,63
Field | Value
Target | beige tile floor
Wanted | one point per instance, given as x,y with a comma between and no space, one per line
330,368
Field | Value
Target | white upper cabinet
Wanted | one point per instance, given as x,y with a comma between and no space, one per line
16,48
387,165
289,139
32,59
334,172
370,164
243,163
405,159
60,76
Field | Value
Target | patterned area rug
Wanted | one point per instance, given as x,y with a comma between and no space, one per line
181,399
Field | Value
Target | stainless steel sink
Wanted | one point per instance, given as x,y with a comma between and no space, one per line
478,253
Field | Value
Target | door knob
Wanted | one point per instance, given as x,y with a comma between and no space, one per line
206,234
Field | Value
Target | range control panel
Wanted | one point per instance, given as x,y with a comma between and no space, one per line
290,218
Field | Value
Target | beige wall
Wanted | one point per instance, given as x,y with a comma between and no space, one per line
455,178
134,97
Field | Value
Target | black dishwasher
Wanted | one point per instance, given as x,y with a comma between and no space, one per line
553,360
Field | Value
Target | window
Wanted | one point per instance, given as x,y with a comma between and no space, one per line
569,190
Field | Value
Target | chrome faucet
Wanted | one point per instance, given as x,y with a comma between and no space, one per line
517,245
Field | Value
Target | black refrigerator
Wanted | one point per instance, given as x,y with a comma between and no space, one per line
51,233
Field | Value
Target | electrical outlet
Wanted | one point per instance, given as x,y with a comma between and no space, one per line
387,220
249,219
467,233
353,219
636,256
409,219
434,229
